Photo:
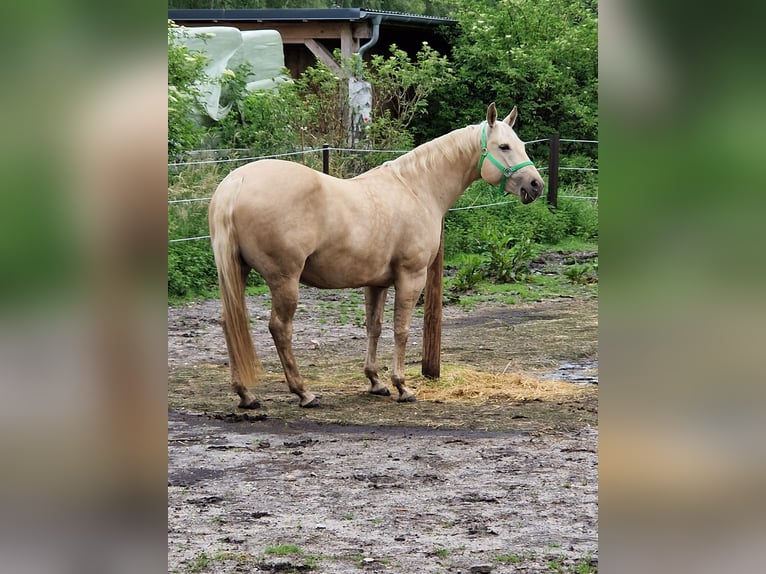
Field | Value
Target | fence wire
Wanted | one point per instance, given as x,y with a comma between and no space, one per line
353,150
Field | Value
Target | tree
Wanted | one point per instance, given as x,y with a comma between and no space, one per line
539,55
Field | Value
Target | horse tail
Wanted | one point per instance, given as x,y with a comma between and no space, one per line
232,277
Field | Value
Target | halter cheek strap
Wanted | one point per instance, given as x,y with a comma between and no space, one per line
506,171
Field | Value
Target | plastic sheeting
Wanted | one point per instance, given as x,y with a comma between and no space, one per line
227,48
360,102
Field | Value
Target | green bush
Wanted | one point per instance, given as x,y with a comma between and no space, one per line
185,69
507,257
266,122
191,269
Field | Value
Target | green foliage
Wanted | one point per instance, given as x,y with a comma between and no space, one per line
283,550
191,269
402,87
501,258
268,121
186,68
324,98
507,257
574,217
542,56
200,563
582,273
469,274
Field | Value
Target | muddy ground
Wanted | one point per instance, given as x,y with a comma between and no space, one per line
364,484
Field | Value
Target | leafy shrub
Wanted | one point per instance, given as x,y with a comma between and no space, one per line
268,121
191,269
469,274
582,273
185,69
507,257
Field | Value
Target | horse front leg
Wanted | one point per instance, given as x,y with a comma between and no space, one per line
284,300
407,292
374,303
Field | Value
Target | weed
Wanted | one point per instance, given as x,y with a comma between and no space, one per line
506,257
509,558
201,562
582,273
515,558
469,274
283,550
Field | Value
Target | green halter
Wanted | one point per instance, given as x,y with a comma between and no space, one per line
506,171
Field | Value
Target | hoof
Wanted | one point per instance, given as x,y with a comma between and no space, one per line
311,403
381,391
249,404
406,399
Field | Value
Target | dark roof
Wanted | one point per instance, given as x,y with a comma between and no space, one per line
305,15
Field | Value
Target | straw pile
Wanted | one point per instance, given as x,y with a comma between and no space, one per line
462,384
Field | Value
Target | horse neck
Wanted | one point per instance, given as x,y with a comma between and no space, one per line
439,171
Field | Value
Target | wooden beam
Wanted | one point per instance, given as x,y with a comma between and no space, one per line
323,54
295,32
348,44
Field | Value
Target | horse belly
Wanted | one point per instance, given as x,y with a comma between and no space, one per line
334,271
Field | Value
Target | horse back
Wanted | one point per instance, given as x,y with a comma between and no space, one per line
335,233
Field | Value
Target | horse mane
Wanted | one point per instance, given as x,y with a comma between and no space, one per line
452,147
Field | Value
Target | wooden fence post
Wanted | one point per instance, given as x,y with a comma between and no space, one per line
326,158
553,171
432,317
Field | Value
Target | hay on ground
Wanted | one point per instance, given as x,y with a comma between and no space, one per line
462,384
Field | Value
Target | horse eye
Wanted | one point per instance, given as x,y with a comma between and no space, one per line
505,147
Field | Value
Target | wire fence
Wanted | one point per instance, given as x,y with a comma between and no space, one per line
553,160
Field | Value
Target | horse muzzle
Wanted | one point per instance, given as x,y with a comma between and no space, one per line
531,191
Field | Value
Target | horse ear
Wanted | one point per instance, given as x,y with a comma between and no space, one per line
510,119
491,115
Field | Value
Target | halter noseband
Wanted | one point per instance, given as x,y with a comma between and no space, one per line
506,171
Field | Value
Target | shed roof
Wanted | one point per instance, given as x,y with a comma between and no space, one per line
307,15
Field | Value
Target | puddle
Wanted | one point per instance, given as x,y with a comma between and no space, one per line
578,372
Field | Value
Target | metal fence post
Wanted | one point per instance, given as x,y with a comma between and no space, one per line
326,158
553,170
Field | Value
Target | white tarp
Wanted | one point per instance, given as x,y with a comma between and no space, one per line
226,49
360,103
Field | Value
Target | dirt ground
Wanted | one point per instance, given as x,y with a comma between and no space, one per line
364,484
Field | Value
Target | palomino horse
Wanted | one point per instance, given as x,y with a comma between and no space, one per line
296,225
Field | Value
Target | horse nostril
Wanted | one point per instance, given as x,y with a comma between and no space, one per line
535,184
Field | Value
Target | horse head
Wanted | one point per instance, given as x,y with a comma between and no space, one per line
508,166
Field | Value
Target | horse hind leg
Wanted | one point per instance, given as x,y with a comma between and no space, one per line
374,303
284,301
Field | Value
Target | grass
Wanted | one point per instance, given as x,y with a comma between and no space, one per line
515,558
570,243
550,280
555,564
536,288
200,563
308,561
283,550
